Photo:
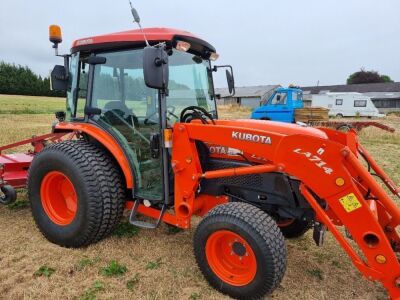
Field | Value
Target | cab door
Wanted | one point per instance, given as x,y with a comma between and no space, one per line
278,108
129,112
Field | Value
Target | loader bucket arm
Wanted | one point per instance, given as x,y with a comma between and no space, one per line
334,181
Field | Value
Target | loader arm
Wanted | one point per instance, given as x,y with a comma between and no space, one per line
337,186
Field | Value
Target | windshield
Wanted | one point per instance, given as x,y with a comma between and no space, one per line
120,83
190,83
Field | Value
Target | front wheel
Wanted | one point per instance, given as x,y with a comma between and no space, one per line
240,250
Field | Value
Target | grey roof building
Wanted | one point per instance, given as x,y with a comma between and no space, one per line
386,96
251,96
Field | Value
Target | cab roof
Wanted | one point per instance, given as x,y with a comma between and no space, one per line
135,37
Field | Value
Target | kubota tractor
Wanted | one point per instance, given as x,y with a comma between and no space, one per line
141,132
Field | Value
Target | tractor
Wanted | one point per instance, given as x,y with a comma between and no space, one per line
141,133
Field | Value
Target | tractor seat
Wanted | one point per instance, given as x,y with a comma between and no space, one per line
118,105
117,109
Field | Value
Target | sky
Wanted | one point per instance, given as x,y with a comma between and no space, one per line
267,42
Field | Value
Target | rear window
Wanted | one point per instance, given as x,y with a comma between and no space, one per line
360,103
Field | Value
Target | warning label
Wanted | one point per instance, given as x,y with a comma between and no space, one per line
350,202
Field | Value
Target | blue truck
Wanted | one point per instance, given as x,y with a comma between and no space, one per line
281,105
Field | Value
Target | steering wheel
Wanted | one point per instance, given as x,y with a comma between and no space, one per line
170,110
196,112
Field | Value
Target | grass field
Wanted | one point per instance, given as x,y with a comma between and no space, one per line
158,264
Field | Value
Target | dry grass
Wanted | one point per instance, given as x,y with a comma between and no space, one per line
312,273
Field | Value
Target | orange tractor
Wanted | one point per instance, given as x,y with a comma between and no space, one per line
141,132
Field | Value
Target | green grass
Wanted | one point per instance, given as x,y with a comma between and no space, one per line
316,273
18,205
114,269
85,262
152,265
195,296
125,229
45,271
10,104
90,293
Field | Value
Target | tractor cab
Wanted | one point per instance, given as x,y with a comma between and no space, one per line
106,86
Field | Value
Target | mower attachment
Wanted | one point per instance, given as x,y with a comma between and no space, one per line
14,167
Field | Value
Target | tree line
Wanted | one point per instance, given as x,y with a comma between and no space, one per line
20,80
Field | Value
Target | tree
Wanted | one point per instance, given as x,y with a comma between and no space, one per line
364,76
19,80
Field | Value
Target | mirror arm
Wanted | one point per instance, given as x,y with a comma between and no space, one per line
66,65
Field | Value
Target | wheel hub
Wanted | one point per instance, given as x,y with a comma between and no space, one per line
59,198
238,249
231,258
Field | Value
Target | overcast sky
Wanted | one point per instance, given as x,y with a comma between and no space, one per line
267,42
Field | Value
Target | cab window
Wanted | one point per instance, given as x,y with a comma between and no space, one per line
279,99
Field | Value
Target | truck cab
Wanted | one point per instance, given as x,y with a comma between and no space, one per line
280,106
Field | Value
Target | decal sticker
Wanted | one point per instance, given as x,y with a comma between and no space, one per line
350,202
316,159
255,138
215,149
84,42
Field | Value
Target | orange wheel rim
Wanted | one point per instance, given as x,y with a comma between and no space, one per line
59,199
231,258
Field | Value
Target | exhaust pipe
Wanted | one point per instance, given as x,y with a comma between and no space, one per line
9,195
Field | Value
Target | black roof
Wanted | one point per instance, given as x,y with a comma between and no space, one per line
359,88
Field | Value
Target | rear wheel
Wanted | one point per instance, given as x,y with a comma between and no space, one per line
240,250
76,193
339,116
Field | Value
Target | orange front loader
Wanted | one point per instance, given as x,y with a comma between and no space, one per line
141,132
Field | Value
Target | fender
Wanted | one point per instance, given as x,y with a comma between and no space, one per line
106,140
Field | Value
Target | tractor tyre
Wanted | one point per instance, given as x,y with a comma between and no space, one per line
76,193
293,228
240,250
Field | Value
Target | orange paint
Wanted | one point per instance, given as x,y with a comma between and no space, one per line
234,267
59,198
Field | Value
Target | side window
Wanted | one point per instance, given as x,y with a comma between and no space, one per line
107,92
295,96
339,101
360,103
73,77
82,90
279,98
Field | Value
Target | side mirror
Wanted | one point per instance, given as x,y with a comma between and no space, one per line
229,77
59,78
231,82
155,68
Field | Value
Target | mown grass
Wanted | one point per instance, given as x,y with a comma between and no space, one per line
19,105
157,264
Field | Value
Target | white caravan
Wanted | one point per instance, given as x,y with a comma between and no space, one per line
346,104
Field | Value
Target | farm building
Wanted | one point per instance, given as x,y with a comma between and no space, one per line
251,96
385,96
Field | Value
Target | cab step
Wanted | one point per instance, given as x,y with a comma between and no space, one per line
143,224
